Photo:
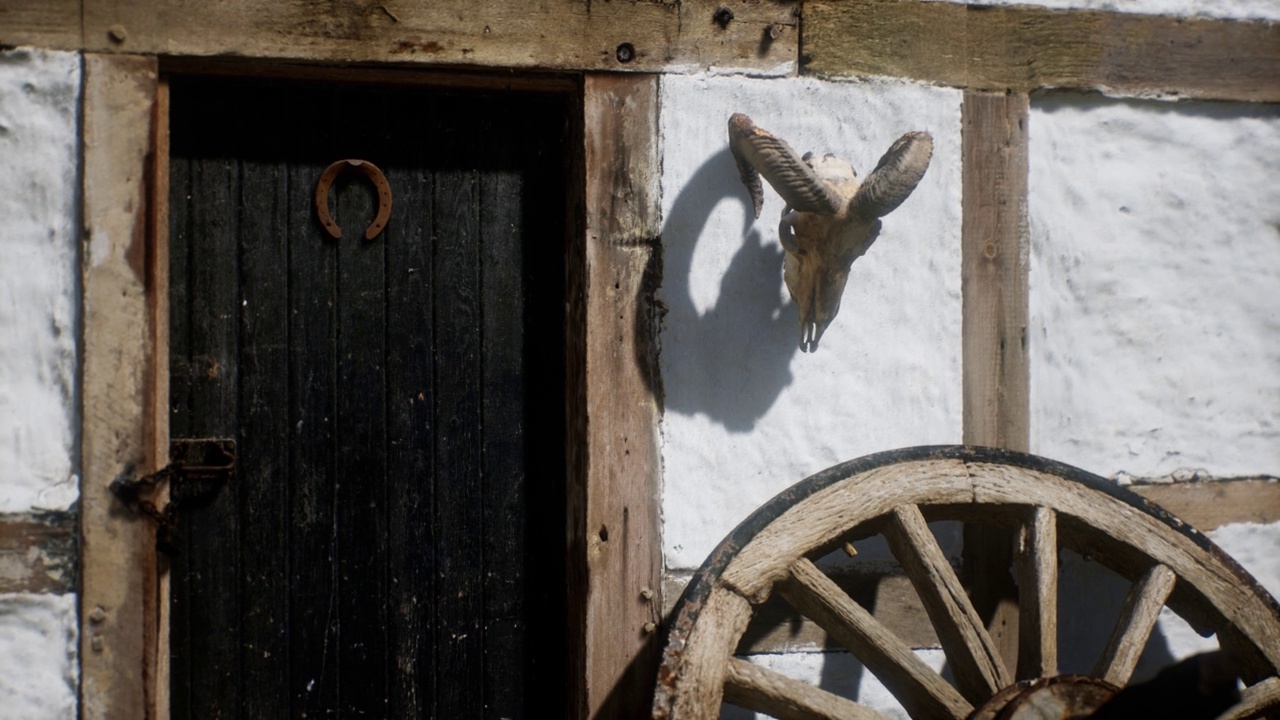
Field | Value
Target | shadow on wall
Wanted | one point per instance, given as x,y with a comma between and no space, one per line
731,361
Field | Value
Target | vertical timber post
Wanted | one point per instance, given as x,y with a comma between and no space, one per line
994,261
118,549
614,512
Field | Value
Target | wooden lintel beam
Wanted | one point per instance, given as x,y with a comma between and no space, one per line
38,552
1025,48
756,37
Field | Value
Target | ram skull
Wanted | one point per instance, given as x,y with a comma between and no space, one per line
830,218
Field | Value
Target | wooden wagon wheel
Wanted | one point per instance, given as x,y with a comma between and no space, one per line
895,494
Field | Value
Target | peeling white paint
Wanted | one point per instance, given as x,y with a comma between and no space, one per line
39,94
38,669
1155,286
748,414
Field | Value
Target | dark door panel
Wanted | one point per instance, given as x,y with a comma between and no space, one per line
392,542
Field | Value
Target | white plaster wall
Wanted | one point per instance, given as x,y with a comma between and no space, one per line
39,94
37,640
747,413
39,147
1238,9
1155,286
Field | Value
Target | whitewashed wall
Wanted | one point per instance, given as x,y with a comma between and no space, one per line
1154,299
39,147
1236,9
747,413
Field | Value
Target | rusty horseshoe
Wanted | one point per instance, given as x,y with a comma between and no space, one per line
369,170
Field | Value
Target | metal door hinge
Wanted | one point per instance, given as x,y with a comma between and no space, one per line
197,470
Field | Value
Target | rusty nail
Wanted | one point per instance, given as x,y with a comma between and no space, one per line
117,33
98,615
774,31
646,593
648,628
626,52
96,643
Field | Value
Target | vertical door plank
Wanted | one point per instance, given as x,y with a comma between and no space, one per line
211,541
360,479
410,449
263,478
313,610
459,517
504,491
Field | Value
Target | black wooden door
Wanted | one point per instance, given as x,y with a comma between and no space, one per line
392,542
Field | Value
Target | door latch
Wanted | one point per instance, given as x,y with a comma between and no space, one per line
197,470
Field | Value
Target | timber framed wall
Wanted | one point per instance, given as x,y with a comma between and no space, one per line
615,51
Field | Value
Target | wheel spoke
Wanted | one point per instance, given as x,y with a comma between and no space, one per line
979,671
1138,618
923,692
760,689
1255,700
1038,596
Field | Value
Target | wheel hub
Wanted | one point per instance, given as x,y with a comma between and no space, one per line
1056,698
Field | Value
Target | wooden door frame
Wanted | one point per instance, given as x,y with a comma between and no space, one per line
612,542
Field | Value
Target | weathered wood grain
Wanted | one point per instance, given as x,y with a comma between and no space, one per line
923,692
1210,504
762,37
38,552
996,384
1256,701
1037,568
620,523
53,24
979,670
757,688
118,553
1023,48
1138,618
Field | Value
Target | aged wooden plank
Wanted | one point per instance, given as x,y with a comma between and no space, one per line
619,526
505,489
411,560
1024,48
118,551
757,688
263,481
1138,618
562,34
1037,567
923,692
38,552
979,669
156,430
459,642
53,24
994,267
1212,503
312,278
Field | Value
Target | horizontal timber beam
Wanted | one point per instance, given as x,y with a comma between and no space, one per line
38,552
760,37
1024,48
